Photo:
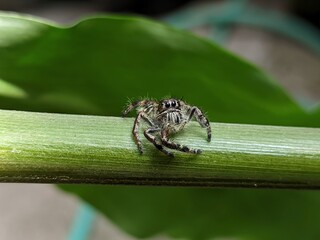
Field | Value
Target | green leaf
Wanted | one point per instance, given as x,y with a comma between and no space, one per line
208,213
93,66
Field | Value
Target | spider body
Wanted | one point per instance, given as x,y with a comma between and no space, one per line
164,118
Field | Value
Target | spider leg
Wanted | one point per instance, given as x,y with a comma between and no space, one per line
202,120
134,105
146,119
135,130
151,138
168,143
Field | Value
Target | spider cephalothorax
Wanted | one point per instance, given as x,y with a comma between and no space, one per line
164,118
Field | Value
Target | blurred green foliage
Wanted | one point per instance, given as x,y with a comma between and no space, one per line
93,66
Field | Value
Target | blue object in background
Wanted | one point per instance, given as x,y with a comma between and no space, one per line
221,17
82,224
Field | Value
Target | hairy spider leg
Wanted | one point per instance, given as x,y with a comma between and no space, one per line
168,143
135,133
151,138
202,120
135,130
134,105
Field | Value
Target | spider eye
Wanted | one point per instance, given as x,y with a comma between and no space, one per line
167,104
173,104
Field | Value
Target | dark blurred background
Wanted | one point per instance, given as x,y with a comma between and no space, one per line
307,9
282,37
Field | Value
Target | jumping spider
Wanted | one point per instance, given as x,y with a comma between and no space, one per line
165,117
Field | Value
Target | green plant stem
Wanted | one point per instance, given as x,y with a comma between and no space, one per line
59,148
